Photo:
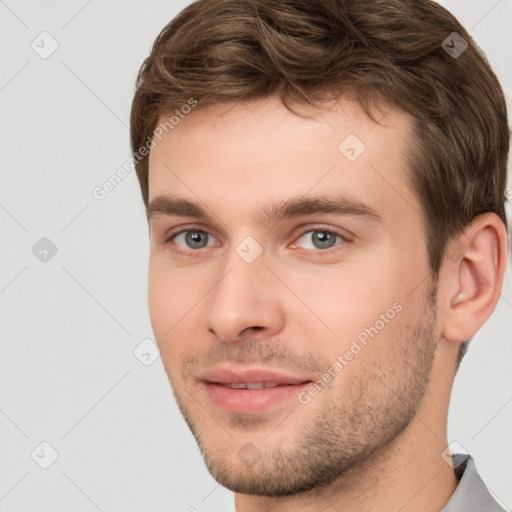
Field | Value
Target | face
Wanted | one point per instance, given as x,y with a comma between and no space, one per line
288,289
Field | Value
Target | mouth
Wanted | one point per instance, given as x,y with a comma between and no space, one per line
251,385
251,390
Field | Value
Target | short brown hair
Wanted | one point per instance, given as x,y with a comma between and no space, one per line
308,51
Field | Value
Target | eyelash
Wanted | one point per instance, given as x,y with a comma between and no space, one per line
310,229
194,228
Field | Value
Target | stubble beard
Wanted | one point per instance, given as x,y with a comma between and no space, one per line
358,422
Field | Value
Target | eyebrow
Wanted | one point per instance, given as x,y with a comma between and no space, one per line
271,212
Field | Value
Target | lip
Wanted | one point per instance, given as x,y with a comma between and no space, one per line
233,375
251,401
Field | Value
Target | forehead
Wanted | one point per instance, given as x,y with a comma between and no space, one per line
258,150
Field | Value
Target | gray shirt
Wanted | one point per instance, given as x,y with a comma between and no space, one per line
471,494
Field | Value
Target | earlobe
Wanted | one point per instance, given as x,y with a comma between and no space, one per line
475,279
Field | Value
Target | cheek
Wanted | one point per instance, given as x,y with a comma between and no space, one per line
174,304
363,303
160,300
165,312
168,301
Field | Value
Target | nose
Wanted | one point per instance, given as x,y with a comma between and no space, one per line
245,302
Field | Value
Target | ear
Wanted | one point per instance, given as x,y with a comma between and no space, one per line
472,277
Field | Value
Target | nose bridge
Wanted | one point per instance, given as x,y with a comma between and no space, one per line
243,267
242,297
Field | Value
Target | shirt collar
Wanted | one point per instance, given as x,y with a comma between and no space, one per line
471,493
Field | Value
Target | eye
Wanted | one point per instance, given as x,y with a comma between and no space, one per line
319,239
193,239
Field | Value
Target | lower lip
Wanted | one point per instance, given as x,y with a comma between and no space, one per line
251,401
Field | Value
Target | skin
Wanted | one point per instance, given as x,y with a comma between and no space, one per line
373,438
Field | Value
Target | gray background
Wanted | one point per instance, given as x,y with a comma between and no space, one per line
71,323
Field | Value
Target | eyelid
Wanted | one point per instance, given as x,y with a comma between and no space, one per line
167,237
330,229
346,238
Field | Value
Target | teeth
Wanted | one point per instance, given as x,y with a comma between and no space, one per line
272,384
253,385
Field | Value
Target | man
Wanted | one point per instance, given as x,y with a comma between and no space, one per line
325,187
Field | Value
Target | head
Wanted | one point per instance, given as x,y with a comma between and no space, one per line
392,132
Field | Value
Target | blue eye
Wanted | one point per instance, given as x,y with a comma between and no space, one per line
192,239
320,239
312,239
